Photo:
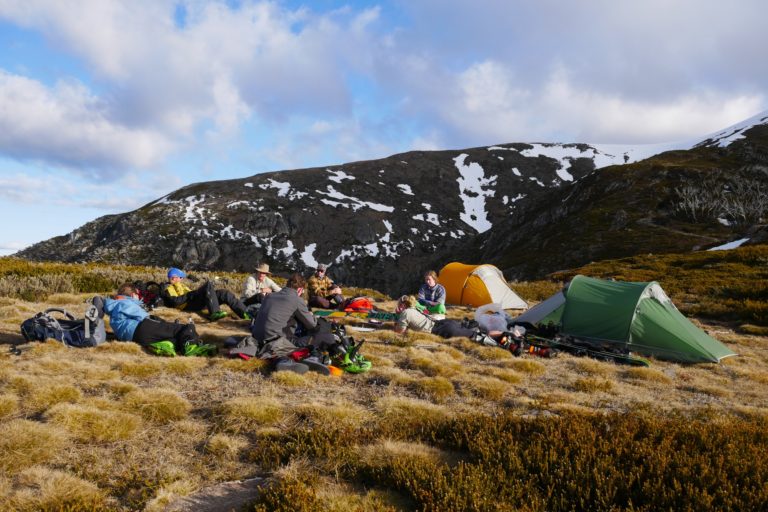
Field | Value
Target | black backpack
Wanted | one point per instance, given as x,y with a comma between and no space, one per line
88,332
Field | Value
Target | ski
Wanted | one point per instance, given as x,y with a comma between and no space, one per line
366,315
584,350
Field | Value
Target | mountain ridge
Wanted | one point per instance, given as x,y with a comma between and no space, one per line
381,223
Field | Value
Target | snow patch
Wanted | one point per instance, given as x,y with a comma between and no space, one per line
472,179
282,187
339,176
735,132
539,183
729,245
308,256
428,217
356,203
192,211
405,189
249,185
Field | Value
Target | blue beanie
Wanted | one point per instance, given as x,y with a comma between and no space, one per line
175,272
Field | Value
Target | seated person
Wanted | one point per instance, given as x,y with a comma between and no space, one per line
131,322
177,295
431,294
408,317
322,292
275,326
258,286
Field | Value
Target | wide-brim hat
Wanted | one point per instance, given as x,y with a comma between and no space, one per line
263,268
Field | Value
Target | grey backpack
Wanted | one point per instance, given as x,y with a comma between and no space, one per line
88,332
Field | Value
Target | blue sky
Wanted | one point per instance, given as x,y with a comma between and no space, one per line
106,105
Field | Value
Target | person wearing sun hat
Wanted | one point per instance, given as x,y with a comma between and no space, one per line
176,294
258,286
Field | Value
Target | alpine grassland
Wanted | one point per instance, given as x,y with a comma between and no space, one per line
438,425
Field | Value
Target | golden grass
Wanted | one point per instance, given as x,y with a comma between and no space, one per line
290,379
142,368
9,405
482,386
526,365
25,443
92,424
433,363
185,365
339,412
647,374
592,385
240,365
120,347
247,413
437,388
464,406
40,488
157,405
223,446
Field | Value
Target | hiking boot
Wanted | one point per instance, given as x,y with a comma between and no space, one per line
162,348
202,349
286,364
218,315
247,316
315,364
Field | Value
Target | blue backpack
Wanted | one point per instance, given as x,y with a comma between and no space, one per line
88,332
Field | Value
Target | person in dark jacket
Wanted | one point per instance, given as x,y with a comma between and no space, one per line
275,326
131,322
178,295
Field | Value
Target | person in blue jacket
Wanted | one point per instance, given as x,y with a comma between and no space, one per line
131,322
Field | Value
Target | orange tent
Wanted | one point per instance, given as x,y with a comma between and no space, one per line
477,285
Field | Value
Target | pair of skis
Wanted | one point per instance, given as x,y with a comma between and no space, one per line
381,316
582,349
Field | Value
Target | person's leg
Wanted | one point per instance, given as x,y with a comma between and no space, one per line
231,300
319,302
451,329
256,298
337,300
203,298
438,309
151,330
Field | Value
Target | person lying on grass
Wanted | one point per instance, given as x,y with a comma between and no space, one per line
176,294
131,322
409,316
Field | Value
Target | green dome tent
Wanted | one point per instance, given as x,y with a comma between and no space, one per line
636,316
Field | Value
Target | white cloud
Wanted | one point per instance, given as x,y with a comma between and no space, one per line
67,125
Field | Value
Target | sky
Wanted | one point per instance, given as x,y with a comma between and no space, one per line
106,105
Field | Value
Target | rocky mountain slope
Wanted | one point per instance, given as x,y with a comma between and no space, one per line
530,208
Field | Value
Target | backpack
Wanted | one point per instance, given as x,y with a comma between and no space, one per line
149,294
88,332
358,304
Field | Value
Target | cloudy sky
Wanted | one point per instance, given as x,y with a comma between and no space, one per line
106,105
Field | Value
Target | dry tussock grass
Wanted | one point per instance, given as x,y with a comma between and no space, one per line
40,488
224,446
420,385
157,405
25,443
246,413
432,363
92,424
647,374
439,388
9,405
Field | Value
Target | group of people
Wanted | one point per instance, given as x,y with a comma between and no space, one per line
275,313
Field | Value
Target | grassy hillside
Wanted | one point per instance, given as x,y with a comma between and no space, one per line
435,425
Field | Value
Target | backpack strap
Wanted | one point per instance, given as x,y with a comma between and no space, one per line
64,312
